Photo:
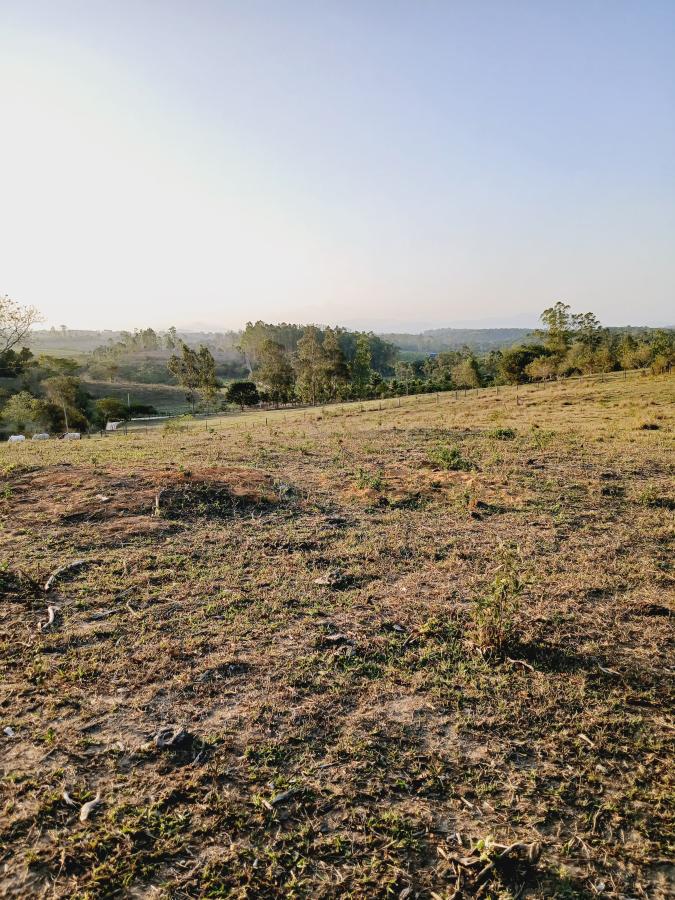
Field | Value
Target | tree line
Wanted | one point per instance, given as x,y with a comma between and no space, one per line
293,363
313,365
142,355
567,344
289,363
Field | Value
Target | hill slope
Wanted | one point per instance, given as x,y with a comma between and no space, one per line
309,599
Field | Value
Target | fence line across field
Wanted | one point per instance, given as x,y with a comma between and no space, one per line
334,409
314,414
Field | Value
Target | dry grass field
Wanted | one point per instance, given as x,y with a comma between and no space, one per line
417,651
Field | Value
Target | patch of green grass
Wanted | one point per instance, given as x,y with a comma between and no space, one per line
450,458
503,434
365,479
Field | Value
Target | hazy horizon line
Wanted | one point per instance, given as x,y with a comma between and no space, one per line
393,328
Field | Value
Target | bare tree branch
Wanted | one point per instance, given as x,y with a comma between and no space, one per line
15,322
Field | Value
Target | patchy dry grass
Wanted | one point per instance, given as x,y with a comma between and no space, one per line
307,599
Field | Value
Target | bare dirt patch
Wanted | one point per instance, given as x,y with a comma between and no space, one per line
69,494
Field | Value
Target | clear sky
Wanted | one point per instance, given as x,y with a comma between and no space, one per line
373,163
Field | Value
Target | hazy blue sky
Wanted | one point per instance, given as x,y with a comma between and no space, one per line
376,164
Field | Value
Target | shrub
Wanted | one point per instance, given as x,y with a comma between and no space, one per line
651,497
142,409
503,434
369,480
110,409
243,393
178,423
495,613
450,458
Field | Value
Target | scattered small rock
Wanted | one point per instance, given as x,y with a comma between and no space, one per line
284,490
173,737
284,795
333,578
335,640
328,579
87,808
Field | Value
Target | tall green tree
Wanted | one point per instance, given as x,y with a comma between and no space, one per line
67,394
22,409
195,371
587,329
255,335
336,370
383,355
185,368
662,351
361,365
208,380
110,409
404,375
558,328
275,372
13,363
467,373
243,393
542,367
603,359
310,367
513,363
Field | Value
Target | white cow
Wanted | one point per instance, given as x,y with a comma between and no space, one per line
16,438
41,437
71,436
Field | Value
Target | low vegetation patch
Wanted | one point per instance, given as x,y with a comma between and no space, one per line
495,613
503,434
449,457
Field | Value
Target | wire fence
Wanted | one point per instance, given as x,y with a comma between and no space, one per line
272,416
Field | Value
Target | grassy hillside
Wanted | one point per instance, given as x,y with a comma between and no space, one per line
418,651
164,397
